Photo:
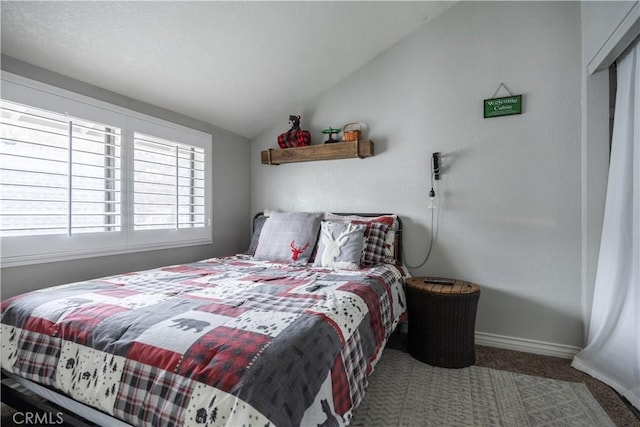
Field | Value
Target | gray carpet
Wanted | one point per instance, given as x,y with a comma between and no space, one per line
405,392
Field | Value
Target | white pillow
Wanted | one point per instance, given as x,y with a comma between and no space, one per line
341,245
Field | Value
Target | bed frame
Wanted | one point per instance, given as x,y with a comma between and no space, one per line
22,399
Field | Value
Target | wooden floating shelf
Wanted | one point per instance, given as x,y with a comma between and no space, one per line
336,150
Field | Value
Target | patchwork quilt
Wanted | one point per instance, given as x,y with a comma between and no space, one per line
225,341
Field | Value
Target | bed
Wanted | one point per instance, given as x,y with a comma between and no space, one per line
284,334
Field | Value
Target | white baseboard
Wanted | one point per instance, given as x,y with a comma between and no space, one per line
526,345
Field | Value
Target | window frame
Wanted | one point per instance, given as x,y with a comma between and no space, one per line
25,250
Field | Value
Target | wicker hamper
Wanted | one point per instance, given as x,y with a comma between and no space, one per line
442,321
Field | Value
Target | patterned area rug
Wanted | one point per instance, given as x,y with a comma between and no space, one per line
405,392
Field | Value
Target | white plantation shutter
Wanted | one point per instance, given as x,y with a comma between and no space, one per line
169,184
58,175
81,178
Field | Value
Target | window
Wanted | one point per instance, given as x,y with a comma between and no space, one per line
79,178
58,175
168,180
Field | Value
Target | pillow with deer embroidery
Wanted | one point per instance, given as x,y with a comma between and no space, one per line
288,237
340,245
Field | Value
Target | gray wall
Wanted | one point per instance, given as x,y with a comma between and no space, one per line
599,20
231,199
611,26
510,204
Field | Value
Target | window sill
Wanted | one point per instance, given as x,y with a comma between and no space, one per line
75,255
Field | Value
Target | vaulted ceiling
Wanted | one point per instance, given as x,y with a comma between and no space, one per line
240,65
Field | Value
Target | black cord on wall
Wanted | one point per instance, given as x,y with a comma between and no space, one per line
435,174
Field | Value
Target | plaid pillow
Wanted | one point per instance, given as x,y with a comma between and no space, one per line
374,246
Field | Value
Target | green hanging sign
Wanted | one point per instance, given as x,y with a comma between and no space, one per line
505,106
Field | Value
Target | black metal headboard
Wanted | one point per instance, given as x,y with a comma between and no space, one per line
398,233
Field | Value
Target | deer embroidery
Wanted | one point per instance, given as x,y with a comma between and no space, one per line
333,247
297,251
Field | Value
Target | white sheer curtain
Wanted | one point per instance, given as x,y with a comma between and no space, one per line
613,347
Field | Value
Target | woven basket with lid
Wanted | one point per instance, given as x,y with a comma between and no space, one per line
351,132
